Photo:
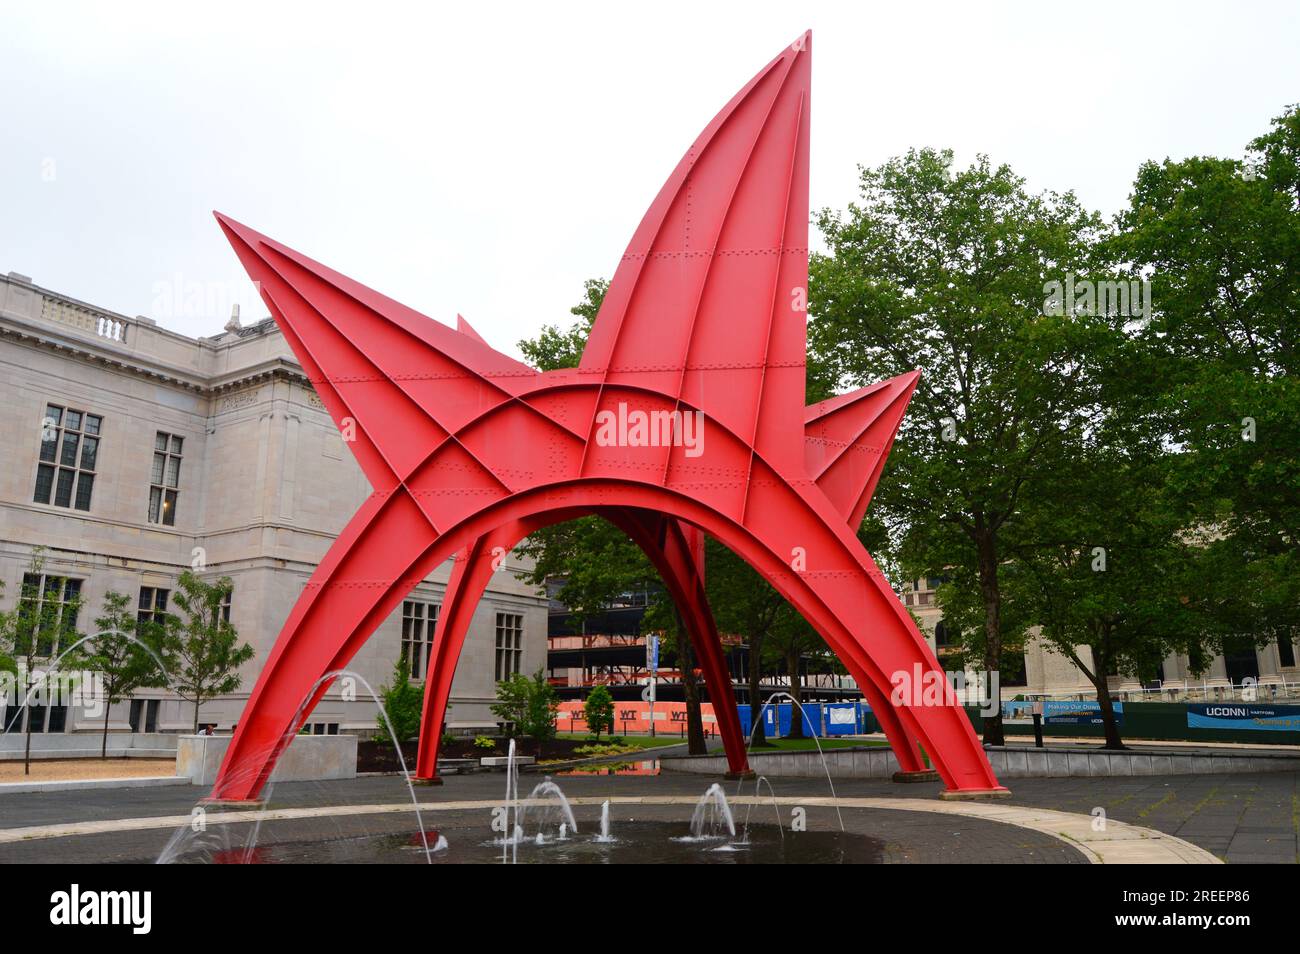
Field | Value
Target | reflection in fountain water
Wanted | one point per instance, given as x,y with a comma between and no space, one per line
418,839
638,842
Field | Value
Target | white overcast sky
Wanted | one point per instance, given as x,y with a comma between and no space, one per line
487,158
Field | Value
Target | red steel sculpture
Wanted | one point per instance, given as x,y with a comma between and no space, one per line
686,416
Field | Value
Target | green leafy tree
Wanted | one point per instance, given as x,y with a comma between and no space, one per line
543,704
1121,579
1219,239
528,706
403,704
945,269
511,705
116,653
557,347
200,646
598,711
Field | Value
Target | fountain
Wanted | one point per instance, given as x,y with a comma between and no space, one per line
712,814
53,666
510,830
820,752
758,783
604,836
191,837
545,810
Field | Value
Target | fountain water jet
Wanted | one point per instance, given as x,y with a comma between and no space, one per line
511,832
820,753
547,808
604,837
711,814
758,783
184,839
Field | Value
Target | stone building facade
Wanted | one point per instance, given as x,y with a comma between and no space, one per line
131,453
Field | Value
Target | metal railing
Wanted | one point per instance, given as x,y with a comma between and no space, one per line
1264,689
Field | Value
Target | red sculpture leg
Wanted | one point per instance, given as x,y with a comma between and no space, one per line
663,540
469,578
381,554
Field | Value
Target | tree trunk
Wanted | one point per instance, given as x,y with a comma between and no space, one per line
695,744
1101,682
757,734
27,711
196,716
986,545
796,693
103,741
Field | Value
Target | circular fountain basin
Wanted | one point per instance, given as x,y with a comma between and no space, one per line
638,842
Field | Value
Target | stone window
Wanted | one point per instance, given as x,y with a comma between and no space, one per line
165,478
65,475
510,644
153,605
224,608
418,622
1286,652
49,604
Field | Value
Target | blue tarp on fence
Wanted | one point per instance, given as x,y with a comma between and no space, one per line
823,719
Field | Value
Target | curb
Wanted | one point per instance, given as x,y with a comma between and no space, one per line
76,785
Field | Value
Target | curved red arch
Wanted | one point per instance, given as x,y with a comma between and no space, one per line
340,609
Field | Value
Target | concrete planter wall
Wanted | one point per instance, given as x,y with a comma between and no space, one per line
308,758
874,762
1007,762
76,745
1069,762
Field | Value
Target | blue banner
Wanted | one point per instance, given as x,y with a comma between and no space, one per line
1078,713
1240,715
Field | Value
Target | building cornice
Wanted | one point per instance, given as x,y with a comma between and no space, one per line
104,353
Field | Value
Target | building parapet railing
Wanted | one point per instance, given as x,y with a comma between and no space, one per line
98,323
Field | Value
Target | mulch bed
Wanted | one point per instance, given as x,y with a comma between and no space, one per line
381,757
